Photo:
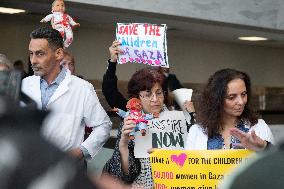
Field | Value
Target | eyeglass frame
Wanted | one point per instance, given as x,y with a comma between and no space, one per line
150,96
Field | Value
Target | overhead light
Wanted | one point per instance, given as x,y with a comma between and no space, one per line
253,38
10,10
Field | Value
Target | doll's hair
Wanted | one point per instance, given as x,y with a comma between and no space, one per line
55,2
131,103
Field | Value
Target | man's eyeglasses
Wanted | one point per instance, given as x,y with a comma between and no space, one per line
150,95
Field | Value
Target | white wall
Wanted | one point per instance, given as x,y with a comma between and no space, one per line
258,13
191,59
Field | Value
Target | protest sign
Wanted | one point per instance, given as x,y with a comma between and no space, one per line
195,169
142,43
169,131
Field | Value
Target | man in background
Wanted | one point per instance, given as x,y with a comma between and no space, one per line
19,65
5,63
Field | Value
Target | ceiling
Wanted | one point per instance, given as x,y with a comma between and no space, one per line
99,16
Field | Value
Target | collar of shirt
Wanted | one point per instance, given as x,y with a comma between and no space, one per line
48,90
57,80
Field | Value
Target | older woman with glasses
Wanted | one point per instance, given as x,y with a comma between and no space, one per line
147,85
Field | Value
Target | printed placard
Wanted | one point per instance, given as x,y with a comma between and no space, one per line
195,169
169,131
143,43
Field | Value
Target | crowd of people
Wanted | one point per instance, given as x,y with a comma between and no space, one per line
224,118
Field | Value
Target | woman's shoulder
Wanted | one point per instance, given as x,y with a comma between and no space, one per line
260,127
260,123
263,131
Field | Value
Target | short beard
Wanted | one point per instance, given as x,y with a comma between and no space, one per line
37,73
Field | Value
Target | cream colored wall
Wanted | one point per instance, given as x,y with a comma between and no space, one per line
195,60
191,59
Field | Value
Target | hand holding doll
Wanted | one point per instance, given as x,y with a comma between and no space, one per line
136,114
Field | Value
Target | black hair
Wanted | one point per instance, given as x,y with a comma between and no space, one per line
53,36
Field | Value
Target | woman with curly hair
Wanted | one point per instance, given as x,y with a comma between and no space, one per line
225,119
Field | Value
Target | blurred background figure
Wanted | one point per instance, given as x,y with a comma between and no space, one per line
5,63
171,81
9,80
263,172
68,62
19,65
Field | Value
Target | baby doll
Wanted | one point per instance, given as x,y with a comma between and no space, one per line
61,21
134,108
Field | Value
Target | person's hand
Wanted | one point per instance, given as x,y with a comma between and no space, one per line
151,150
127,128
42,21
156,114
76,153
76,25
114,51
188,105
106,181
248,141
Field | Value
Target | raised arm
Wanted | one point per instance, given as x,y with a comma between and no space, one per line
109,85
47,18
72,22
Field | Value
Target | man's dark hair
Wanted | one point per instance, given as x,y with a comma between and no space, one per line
53,36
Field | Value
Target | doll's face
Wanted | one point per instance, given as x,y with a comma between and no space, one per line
58,6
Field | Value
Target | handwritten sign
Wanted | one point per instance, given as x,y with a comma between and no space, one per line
196,169
169,131
142,43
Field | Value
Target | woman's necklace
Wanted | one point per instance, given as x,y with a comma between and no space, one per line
229,140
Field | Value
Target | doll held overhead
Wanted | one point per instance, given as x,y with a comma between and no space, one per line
61,21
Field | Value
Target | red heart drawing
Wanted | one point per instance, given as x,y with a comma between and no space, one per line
131,60
149,62
157,62
137,60
123,60
179,160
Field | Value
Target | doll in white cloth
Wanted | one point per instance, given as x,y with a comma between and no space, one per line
61,21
